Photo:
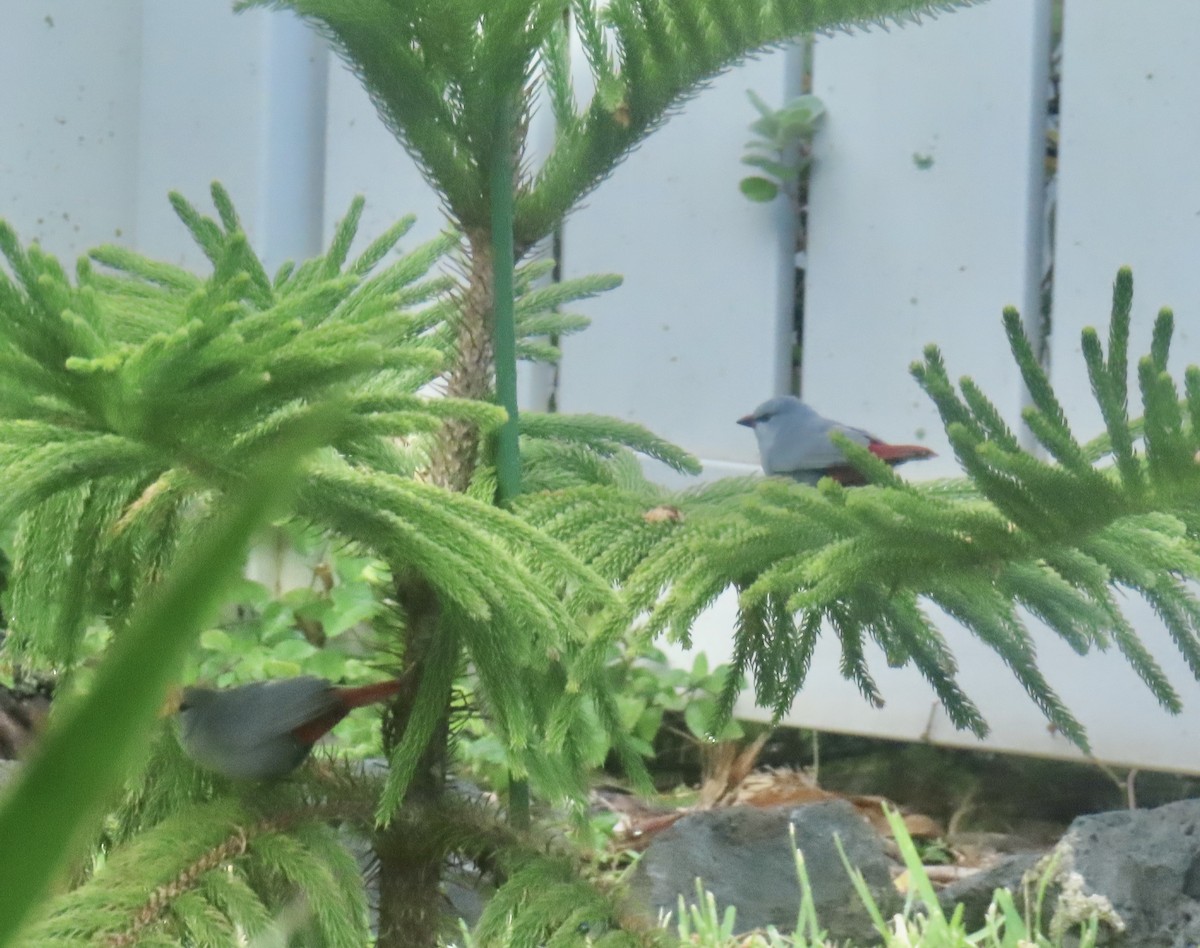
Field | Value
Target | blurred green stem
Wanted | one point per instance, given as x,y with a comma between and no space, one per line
94,742
508,452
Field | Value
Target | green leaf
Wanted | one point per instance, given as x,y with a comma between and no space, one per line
216,640
648,724
292,650
277,668
759,189
698,716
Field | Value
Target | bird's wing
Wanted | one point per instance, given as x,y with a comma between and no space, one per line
262,711
812,448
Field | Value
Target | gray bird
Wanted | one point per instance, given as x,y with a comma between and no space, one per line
794,441
266,729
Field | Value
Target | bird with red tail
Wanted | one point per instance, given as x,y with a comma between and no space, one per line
794,441
266,729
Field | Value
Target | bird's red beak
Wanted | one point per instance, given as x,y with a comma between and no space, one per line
748,420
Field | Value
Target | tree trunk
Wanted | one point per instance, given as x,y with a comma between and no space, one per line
457,449
411,857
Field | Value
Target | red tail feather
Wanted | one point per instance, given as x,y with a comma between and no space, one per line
349,698
367,694
312,731
893,454
898,453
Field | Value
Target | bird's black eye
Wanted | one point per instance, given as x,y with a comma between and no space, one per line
183,705
765,416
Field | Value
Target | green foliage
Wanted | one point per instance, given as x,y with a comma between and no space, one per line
1075,920
782,146
539,319
135,397
97,739
208,872
145,391
140,400
546,901
439,74
648,695
1063,540
321,627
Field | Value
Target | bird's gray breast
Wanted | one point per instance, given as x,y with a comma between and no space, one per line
798,446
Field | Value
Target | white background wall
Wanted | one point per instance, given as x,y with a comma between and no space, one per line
924,222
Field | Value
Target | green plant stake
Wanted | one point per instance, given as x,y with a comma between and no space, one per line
508,454
507,439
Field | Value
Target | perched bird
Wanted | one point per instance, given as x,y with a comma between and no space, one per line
266,729
793,440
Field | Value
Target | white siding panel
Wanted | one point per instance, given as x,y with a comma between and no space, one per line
1125,724
362,157
69,121
203,118
924,213
700,332
1128,194
1129,191
292,158
127,101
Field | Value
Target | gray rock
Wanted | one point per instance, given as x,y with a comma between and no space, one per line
1147,862
974,893
745,858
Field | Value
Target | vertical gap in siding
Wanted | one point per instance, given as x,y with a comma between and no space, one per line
1050,189
552,374
293,154
1046,40
556,247
799,82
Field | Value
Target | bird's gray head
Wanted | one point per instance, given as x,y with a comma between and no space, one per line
792,438
192,703
781,406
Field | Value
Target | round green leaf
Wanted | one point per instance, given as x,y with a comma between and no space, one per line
759,189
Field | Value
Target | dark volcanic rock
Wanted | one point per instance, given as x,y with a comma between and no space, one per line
1147,862
744,857
975,892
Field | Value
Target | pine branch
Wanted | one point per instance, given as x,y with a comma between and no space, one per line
438,73
142,376
1064,541
209,866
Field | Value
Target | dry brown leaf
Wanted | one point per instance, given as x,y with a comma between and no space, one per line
714,781
663,513
779,788
918,825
